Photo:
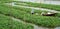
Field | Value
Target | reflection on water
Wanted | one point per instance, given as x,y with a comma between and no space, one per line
42,1
57,28
52,2
37,27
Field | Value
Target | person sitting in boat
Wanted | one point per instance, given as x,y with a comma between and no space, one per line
48,14
32,11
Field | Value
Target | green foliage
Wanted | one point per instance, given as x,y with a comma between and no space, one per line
40,5
6,0
4,22
8,23
24,14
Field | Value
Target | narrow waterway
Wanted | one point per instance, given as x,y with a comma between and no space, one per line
43,9
42,1
39,27
35,26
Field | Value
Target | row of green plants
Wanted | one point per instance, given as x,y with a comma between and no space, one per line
46,21
7,23
40,5
28,10
21,4
6,1
58,14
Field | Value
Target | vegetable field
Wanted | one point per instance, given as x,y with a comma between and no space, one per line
25,16
40,5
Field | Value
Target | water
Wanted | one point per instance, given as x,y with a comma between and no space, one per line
43,9
37,27
41,1
57,28
52,2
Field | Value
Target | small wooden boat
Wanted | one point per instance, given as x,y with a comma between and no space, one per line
48,14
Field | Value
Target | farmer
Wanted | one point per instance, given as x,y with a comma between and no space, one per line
32,11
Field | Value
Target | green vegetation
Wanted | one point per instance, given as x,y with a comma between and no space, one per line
3,1
24,14
40,5
8,23
5,22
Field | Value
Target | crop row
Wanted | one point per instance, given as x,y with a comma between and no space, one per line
46,21
28,10
3,1
7,23
40,5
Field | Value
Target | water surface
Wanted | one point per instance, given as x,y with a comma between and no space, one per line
42,1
